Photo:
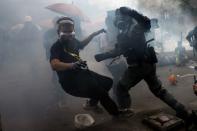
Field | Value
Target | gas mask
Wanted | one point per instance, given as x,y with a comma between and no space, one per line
66,36
67,39
122,21
65,29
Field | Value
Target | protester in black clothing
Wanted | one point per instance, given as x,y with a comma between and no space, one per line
74,76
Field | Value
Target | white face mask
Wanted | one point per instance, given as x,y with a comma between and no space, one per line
67,35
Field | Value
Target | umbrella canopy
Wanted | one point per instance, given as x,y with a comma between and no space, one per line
47,23
69,10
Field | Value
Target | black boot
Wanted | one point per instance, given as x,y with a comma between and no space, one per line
191,122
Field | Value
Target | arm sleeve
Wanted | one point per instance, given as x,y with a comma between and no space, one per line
141,19
80,45
111,54
54,53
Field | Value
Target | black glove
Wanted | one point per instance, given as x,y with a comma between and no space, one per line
99,57
102,31
80,65
98,32
107,55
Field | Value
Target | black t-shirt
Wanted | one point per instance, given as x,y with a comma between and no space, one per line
59,52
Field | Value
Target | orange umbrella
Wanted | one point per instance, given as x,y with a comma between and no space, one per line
68,10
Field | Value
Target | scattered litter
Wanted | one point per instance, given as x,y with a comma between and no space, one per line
83,121
163,122
185,75
193,67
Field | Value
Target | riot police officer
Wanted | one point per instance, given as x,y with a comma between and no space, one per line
141,60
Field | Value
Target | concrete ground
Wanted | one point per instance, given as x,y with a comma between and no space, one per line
144,104
27,107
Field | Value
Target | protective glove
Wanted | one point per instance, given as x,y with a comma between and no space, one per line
98,32
102,31
79,65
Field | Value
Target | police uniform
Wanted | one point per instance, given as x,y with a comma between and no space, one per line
141,61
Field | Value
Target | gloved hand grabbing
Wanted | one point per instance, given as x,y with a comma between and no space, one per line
79,65
102,31
98,32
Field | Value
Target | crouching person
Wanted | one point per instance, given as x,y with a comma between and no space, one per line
73,74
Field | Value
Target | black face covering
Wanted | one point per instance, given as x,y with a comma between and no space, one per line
63,40
68,44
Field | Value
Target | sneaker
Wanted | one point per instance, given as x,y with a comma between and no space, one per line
126,113
94,108
62,104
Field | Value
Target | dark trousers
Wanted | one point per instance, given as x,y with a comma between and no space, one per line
133,75
88,84
117,71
